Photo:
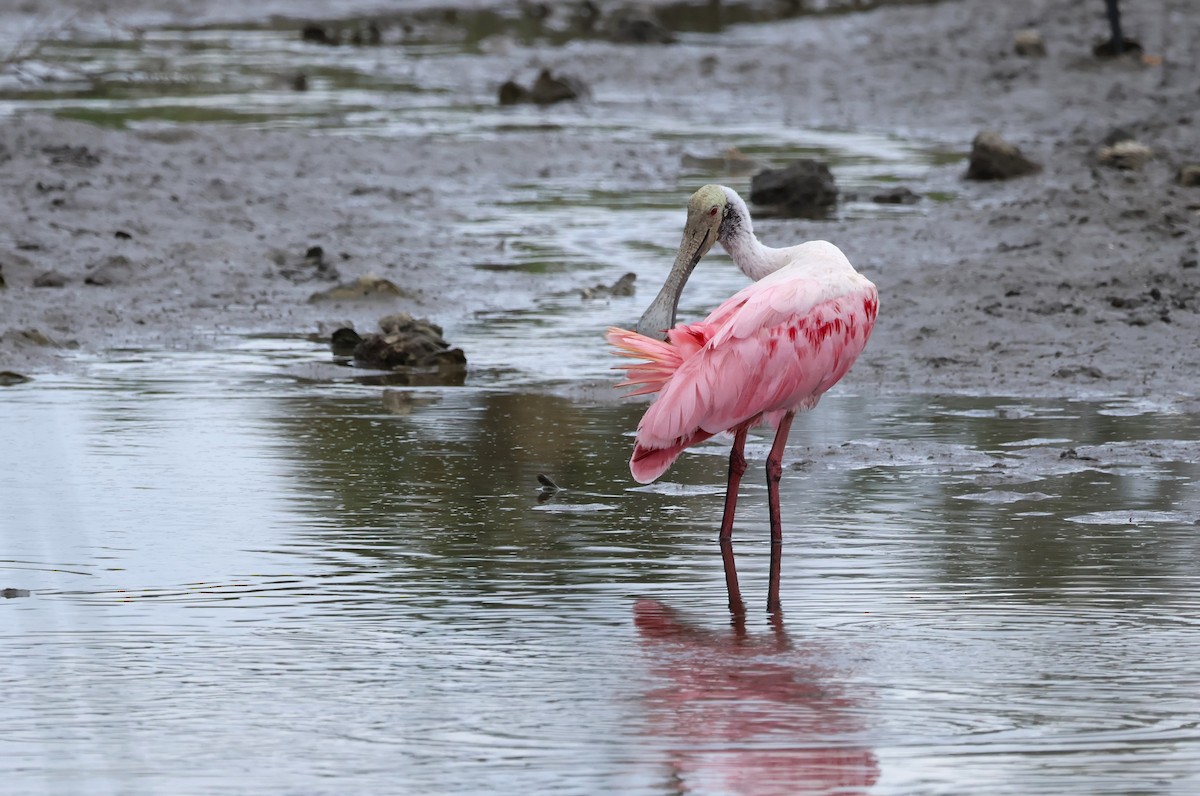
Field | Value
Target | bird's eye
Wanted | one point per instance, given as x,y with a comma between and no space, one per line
713,210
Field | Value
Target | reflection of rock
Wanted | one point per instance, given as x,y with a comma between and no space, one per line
637,26
730,161
585,16
311,266
359,35
403,402
403,342
549,488
896,196
1028,44
805,187
622,287
993,158
546,90
10,593
365,287
368,35
297,81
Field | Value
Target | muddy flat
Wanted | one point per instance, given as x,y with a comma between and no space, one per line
151,229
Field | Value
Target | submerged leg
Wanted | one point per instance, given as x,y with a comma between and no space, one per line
737,468
774,472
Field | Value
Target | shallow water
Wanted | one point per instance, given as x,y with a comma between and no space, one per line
246,578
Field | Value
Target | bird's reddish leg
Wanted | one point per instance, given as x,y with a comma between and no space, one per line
737,468
774,472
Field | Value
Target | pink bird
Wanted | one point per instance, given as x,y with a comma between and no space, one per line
770,351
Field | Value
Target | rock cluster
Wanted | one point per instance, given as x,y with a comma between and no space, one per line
546,90
402,342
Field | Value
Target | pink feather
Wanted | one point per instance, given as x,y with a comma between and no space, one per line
774,347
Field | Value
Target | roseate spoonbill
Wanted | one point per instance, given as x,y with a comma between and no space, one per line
765,354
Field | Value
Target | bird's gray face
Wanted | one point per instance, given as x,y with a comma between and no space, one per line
706,211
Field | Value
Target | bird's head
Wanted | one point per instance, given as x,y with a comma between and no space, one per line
706,212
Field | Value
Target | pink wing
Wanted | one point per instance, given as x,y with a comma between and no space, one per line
774,347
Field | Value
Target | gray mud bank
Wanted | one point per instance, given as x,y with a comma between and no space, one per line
1080,279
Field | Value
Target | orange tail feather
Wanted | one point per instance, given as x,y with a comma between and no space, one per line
662,359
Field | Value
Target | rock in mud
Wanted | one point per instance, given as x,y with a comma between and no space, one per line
365,287
547,89
9,593
804,188
24,337
1085,371
71,156
896,196
405,342
1189,175
513,93
317,34
1028,43
14,268
9,378
1128,155
622,287
115,270
311,267
993,158
50,279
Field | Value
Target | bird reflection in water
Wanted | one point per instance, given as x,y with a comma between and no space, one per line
750,714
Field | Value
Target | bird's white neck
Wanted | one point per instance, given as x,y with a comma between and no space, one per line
738,239
750,255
